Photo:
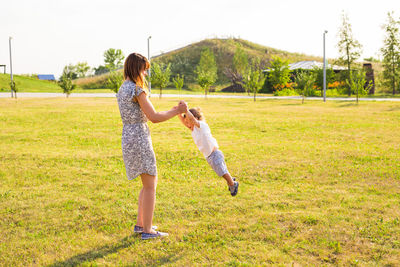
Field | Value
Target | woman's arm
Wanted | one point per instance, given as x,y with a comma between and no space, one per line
153,115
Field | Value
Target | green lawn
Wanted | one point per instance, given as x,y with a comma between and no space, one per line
319,185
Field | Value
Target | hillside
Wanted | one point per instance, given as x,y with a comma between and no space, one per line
28,84
185,60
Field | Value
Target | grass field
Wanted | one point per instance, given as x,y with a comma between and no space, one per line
319,185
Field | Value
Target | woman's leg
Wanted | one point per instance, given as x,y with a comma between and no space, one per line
148,201
140,209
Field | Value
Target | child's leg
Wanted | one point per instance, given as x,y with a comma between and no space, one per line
217,162
228,179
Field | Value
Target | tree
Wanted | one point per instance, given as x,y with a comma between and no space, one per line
319,78
66,84
391,53
70,72
113,59
279,72
182,63
206,70
160,75
13,88
358,84
115,80
100,70
240,61
349,48
239,68
305,82
178,81
254,78
82,69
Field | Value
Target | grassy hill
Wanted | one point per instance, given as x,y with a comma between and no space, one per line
184,60
28,84
33,85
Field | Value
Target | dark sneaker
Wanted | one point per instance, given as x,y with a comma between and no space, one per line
234,188
146,236
139,229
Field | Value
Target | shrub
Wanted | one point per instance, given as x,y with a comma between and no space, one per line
285,89
279,72
115,80
95,82
305,83
66,84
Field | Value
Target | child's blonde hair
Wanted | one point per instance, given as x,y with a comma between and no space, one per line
197,113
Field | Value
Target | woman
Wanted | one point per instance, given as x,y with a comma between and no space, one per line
137,149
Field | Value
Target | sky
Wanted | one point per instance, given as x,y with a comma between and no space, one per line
49,34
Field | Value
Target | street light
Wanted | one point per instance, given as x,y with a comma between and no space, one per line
11,74
148,56
325,32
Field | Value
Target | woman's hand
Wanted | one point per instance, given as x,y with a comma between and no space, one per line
153,115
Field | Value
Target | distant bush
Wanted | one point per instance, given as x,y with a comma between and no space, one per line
305,83
319,79
336,92
96,82
66,84
115,80
286,92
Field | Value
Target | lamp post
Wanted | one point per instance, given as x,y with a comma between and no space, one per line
11,74
325,32
148,56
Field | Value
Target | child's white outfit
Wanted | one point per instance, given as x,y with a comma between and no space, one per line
206,143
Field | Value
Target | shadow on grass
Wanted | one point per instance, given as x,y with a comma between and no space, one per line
293,104
346,104
394,109
106,250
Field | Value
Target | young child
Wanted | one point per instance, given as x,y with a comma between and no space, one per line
194,120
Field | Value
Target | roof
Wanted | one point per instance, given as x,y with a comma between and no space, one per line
309,65
46,77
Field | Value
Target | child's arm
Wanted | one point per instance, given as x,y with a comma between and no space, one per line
183,121
192,118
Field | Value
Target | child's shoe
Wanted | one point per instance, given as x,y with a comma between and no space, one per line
234,188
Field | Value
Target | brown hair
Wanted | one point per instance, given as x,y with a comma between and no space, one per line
197,113
134,66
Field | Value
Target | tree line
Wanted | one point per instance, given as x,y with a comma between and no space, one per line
113,60
253,76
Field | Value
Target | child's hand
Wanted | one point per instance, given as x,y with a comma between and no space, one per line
187,107
182,106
